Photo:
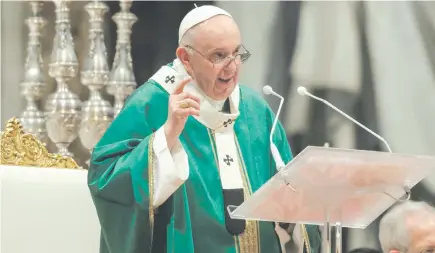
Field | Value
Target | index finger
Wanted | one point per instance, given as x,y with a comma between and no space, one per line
180,87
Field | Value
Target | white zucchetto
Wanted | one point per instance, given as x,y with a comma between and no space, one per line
198,15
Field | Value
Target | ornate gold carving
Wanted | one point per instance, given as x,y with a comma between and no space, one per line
20,148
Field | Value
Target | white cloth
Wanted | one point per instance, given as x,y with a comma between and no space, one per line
210,116
46,210
228,159
199,15
171,168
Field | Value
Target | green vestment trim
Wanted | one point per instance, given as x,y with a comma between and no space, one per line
192,219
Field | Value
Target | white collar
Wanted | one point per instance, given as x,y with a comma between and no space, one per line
210,115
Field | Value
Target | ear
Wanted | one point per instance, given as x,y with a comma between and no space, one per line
184,56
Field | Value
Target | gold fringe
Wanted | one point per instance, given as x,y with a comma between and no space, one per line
306,239
249,241
151,184
212,137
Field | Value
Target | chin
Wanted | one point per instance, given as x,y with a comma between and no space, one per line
223,90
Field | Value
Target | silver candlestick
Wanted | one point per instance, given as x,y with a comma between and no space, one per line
63,106
97,113
34,82
122,81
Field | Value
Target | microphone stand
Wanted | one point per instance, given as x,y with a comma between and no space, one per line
274,150
326,230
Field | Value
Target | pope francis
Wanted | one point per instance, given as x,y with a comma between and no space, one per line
188,143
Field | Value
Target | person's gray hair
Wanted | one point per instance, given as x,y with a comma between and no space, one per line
188,38
393,230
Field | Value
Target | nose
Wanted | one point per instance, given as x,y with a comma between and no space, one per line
231,66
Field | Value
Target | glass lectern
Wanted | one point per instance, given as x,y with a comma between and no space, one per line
339,187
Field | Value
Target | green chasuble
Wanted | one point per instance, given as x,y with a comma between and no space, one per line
121,179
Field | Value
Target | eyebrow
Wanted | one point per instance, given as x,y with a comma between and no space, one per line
223,49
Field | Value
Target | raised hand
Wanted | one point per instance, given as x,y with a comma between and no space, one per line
181,105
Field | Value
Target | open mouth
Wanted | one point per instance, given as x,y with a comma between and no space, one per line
225,80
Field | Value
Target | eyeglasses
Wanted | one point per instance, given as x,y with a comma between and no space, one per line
221,60
429,250
426,250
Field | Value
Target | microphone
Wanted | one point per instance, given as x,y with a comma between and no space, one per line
303,91
275,152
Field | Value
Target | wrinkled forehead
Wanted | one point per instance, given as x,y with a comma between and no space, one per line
218,32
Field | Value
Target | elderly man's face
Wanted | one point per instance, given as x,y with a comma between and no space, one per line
422,234
212,63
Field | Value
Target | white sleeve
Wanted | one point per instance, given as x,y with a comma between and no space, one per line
171,168
298,237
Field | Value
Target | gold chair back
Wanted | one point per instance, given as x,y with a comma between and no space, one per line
24,149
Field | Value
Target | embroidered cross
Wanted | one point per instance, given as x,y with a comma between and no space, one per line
170,78
228,160
228,122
